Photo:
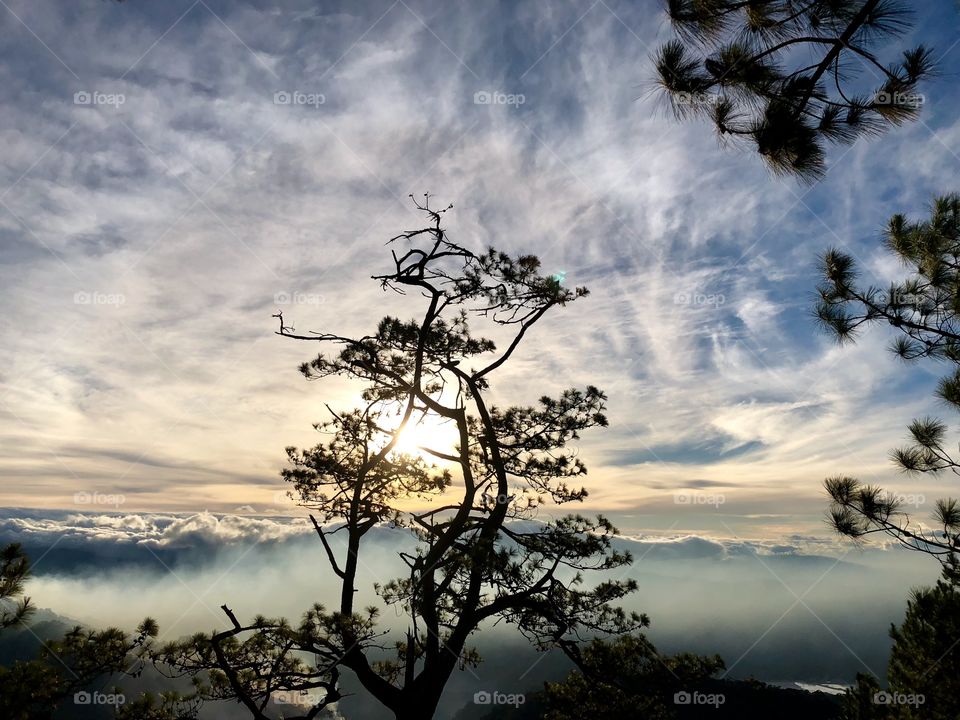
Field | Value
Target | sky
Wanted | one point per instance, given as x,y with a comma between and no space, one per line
175,173
161,201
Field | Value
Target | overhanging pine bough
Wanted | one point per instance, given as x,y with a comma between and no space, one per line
778,73
923,310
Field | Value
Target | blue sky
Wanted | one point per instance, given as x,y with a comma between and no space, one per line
144,244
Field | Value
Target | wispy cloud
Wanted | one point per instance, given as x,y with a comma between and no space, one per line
147,241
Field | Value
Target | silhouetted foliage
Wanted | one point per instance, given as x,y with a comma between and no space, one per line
167,705
475,562
34,689
777,73
924,669
925,659
14,571
626,679
923,309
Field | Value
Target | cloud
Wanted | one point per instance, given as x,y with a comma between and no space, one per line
207,529
197,533
199,201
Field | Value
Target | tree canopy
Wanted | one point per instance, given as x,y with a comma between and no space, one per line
483,554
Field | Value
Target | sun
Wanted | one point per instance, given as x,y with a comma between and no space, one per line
430,432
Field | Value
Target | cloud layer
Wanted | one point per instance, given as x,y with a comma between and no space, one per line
815,612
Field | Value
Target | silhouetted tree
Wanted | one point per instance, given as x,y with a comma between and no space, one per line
777,73
925,659
33,689
625,679
14,571
924,668
473,563
167,705
923,309
628,678
860,701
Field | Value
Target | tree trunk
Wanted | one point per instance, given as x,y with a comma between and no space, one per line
421,705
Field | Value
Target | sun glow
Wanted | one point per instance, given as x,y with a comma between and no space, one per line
431,432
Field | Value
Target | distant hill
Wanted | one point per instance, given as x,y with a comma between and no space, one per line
23,643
